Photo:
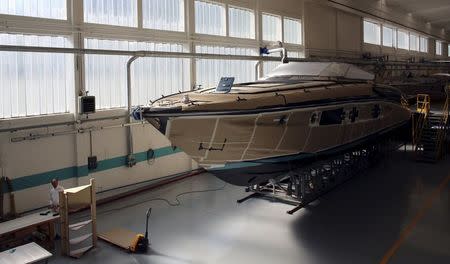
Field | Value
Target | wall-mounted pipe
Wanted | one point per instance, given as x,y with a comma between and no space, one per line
68,123
211,56
163,54
131,161
71,132
283,51
257,67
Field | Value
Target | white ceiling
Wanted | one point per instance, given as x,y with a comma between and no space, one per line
437,12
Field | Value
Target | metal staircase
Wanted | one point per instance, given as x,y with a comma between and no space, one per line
430,130
419,118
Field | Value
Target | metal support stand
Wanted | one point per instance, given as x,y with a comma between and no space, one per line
303,185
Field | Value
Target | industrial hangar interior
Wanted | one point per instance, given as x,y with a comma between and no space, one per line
224,131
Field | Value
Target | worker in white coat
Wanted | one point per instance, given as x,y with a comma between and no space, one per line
54,195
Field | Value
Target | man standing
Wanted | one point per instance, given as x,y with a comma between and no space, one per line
54,195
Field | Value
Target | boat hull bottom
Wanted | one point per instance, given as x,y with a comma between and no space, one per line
261,171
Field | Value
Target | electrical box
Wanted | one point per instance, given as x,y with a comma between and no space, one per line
87,104
92,162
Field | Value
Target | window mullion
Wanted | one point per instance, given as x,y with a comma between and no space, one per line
139,14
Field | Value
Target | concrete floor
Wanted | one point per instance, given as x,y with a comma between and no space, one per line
356,223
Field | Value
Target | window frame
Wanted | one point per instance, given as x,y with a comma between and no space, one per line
393,36
299,20
254,27
379,26
43,19
225,15
280,32
136,20
426,48
184,18
406,32
70,69
439,43
137,32
416,42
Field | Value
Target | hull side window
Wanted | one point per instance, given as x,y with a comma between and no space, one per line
332,117
353,114
376,111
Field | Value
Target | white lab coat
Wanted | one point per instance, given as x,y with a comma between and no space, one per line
54,195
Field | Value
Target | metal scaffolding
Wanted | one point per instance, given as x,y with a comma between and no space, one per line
306,183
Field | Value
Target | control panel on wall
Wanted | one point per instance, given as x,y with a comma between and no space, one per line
87,104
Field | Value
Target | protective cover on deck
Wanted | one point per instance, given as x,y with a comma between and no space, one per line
333,70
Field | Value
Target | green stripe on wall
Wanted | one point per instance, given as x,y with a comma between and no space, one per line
38,179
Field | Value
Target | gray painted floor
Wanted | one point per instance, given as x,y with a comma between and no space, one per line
356,223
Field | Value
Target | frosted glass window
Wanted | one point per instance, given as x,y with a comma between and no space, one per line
402,40
414,42
111,12
151,77
389,36
371,33
271,27
268,66
209,18
35,83
423,44
438,47
242,23
55,9
292,31
210,71
163,14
